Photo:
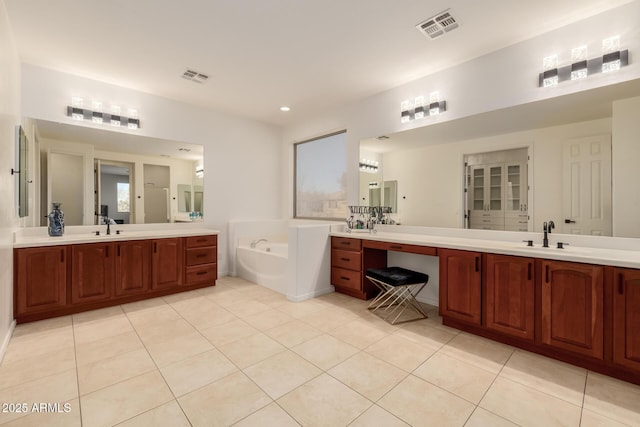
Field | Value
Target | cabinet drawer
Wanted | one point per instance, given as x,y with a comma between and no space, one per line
345,259
345,278
200,241
201,273
517,221
493,222
346,243
199,256
400,247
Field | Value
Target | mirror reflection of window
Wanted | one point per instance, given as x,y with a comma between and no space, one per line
123,197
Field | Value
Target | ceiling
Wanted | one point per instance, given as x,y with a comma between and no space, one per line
312,56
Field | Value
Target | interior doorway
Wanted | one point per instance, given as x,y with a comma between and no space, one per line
114,192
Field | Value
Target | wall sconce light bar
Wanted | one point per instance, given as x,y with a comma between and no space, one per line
370,166
78,113
408,114
608,62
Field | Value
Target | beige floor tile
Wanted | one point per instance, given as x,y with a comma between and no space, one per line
182,296
593,419
18,371
325,351
358,333
96,315
61,388
229,298
161,331
400,352
203,319
197,371
458,377
173,350
324,401
268,319
613,398
106,372
375,416
420,403
55,324
424,334
168,415
248,308
300,309
483,418
481,352
38,343
143,305
124,400
223,402
328,319
161,312
293,333
528,407
250,350
228,332
281,373
107,347
546,375
270,415
60,414
368,375
105,327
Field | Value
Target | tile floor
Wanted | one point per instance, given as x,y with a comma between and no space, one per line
239,354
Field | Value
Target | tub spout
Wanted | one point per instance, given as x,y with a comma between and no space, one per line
255,242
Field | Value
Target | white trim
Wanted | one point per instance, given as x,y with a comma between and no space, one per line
7,338
316,293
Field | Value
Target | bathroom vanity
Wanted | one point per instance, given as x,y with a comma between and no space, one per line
579,305
55,276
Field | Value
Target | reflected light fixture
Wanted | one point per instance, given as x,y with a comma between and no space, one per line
285,108
370,166
200,171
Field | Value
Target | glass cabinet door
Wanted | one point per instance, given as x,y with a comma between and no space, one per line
516,188
495,188
477,189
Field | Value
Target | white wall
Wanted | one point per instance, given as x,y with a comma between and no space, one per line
241,157
502,79
9,118
626,168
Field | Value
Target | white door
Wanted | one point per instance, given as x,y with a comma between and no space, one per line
587,186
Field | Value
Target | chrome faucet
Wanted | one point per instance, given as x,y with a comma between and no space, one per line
108,221
255,242
547,227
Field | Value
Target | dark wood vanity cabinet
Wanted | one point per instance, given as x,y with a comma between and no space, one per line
626,318
40,279
133,265
572,307
167,263
509,289
460,285
53,281
92,272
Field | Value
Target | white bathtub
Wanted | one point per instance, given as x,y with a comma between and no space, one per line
266,264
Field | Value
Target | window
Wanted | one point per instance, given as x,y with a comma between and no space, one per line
320,177
123,197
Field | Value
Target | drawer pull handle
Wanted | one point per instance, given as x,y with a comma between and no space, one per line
477,264
395,247
62,255
201,273
345,243
201,255
201,240
620,284
345,259
529,267
344,278
546,273
107,251
118,250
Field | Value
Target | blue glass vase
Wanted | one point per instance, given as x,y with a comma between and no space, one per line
56,221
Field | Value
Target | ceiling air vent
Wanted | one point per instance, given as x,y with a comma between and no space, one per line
436,26
195,76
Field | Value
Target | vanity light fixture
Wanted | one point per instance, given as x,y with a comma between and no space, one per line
581,67
77,112
285,108
370,166
421,108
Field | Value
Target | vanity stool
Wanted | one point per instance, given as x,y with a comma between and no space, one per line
398,289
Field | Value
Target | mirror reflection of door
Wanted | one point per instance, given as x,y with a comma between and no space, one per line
114,185
66,185
198,193
156,193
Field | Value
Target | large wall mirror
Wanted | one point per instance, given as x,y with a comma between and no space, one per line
104,176
428,163
22,150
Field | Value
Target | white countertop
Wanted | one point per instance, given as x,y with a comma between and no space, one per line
589,255
38,236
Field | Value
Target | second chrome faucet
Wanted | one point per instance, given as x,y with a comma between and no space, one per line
547,227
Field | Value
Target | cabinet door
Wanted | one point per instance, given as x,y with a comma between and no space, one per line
626,318
133,263
460,281
92,272
41,279
572,307
510,295
167,263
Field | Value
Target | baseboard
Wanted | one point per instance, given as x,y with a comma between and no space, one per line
429,301
5,341
309,295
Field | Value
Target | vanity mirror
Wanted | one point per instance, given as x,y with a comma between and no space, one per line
134,179
22,151
428,162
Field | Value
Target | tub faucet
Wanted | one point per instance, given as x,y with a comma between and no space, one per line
255,242
547,227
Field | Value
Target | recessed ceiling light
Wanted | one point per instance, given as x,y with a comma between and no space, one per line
285,108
